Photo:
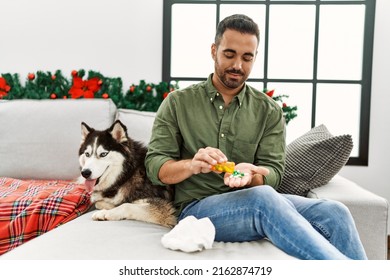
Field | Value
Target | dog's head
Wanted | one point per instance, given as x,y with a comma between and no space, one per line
101,154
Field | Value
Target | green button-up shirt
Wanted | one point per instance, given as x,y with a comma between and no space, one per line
251,129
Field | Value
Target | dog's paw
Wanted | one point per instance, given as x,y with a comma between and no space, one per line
106,215
99,215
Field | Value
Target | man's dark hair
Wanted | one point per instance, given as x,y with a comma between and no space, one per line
238,22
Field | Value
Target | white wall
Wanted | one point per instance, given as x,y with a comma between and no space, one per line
119,38
123,38
374,177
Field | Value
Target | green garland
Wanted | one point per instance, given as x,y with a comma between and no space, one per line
48,85
143,97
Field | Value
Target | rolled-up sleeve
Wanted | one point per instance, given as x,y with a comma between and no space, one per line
165,141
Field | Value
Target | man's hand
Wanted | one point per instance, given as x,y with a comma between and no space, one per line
205,158
253,176
173,172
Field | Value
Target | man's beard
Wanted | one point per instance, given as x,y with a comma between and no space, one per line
229,82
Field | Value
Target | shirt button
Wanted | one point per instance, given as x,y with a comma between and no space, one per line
222,135
221,107
211,99
217,94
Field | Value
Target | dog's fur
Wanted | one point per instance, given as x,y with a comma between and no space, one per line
112,165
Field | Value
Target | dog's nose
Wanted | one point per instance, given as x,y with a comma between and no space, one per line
86,173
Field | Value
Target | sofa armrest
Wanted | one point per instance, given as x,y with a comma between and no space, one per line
369,211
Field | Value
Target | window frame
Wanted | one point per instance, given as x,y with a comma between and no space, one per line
365,82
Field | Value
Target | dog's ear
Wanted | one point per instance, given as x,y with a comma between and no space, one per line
119,131
85,130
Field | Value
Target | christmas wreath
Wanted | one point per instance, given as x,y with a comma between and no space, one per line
143,96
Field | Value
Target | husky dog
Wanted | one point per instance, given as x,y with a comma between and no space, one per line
112,165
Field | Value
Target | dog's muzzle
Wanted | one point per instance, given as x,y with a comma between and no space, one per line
89,183
86,173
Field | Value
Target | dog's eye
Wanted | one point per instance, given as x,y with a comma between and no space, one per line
103,154
87,154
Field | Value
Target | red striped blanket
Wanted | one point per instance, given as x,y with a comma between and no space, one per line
29,208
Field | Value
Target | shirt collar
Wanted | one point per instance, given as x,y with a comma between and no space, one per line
213,93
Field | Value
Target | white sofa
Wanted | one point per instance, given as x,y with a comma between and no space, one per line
39,139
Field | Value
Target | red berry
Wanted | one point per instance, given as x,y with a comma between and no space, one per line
31,76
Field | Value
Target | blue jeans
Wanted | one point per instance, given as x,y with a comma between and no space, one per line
312,229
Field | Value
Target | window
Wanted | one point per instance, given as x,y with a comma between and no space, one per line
317,52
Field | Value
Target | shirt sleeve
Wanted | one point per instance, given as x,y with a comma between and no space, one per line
165,141
271,150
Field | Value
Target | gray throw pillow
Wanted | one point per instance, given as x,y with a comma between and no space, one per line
313,159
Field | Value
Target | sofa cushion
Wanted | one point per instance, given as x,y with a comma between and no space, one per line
85,239
39,139
139,124
313,159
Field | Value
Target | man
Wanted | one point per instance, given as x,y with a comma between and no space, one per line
224,119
